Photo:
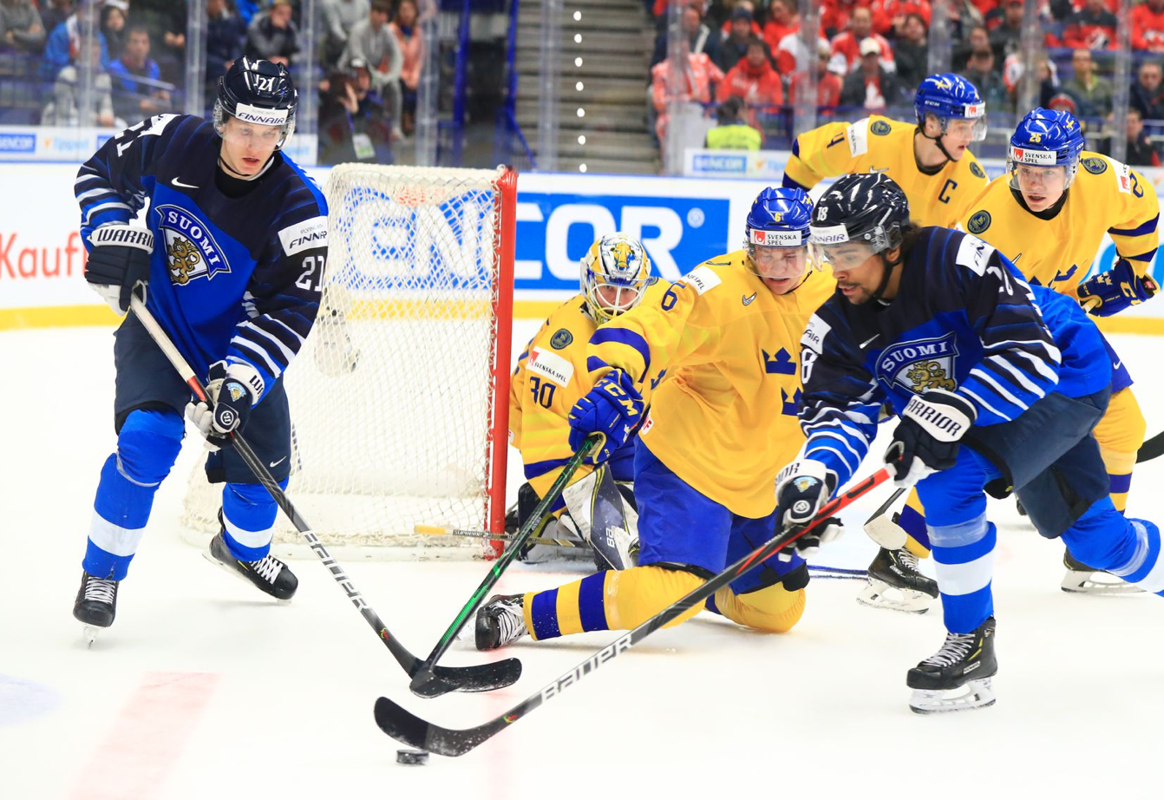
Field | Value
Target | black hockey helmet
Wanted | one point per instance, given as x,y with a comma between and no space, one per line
257,91
868,208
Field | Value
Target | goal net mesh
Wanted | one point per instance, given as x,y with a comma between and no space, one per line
394,394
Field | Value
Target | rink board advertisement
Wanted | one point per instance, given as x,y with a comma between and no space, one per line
681,222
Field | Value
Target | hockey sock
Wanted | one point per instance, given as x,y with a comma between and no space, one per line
1120,433
147,446
1127,548
912,520
773,609
248,513
964,563
611,600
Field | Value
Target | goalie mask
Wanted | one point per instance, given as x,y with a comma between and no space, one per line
258,92
615,271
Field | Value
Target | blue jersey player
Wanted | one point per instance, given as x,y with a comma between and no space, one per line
944,328
230,253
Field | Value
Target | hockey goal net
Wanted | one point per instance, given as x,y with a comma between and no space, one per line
399,396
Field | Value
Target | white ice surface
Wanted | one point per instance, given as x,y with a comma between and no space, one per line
698,711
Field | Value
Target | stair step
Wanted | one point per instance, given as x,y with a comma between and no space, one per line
604,64
632,122
620,92
609,166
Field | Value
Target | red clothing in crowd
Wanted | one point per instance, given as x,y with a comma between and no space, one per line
726,28
1091,31
757,87
773,32
847,45
1147,29
834,14
828,89
884,11
701,72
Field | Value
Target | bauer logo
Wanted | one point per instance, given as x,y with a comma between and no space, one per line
191,251
554,231
920,365
304,235
17,142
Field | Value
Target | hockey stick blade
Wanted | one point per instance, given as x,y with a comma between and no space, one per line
1150,449
482,678
404,726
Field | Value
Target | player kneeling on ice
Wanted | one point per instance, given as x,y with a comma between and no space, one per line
550,378
944,328
232,252
719,428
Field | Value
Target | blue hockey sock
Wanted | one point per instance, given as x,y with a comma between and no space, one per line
964,563
1127,548
147,446
248,512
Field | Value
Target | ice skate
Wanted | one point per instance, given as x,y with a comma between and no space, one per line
894,583
958,676
268,573
96,605
500,621
1082,579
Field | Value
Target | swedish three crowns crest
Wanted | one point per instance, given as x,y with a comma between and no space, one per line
191,251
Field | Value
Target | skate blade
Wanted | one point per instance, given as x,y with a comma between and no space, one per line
878,594
90,632
279,601
971,695
1096,583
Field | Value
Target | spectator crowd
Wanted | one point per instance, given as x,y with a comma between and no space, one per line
872,54
371,54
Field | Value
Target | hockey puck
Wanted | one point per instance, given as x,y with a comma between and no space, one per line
411,757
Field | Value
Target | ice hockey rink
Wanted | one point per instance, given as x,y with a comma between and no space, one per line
205,689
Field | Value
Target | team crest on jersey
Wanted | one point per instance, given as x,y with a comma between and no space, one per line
1094,165
191,251
880,128
562,339
976,170
979,221
920,365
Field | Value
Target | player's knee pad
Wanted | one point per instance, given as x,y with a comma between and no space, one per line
635,595
148,444
774,608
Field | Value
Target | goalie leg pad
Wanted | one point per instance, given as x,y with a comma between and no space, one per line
603,518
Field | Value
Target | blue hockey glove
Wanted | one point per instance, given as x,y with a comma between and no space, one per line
613,408
118,261
929,435
802,488
1112,291
233,391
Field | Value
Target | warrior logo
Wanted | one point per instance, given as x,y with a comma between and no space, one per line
920,365
190,247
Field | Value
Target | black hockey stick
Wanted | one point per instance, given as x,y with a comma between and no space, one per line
406,727
424,673
1150,449
480,678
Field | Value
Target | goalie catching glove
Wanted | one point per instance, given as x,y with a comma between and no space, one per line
613,409
1112,291
118,261
802,488
929,435
233,391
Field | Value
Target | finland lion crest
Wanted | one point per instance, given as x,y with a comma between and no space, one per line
191,251
920,365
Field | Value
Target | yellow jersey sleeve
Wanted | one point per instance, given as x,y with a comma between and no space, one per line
826,152
1134,212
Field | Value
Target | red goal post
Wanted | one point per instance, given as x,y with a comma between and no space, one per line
400,395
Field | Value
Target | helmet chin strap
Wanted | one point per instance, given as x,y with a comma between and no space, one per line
937,140
885,276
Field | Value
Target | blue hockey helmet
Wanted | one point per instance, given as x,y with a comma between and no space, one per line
1046,138
257,91
615,271
951,97
778,218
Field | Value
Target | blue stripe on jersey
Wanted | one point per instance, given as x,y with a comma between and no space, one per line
594,363
539,468
630,339
1148,256
1139,230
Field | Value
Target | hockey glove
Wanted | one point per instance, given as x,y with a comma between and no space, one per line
1112,291
929,435
802,488
233,391
613,408
118,261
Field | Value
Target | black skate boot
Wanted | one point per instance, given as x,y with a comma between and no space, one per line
957,677
268,573
500,621
1082,579
896,584
96,604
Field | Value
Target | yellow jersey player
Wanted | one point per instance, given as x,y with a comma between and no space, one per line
929,161
1048,214
551,376
719,429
